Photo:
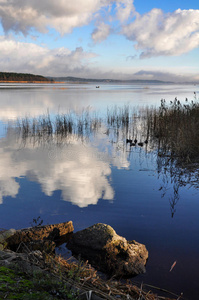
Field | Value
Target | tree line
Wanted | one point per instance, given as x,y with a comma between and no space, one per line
9,76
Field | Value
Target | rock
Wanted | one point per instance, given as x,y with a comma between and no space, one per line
4,235
40,233
24,262
108,251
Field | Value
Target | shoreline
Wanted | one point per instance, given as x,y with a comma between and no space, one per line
28,255
30,81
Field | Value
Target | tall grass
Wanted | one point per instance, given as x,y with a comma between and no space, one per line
173,128
176,128
132,122
118,116
62,125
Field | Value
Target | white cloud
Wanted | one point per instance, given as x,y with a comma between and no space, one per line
63,16
22,15
157,33
101,32
125,10
31,58
154,33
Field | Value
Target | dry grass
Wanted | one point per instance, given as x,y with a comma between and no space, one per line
83,280
176,128
86,279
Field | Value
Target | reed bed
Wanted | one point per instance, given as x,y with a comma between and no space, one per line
62,125
118,116
176,128
132,122
172,128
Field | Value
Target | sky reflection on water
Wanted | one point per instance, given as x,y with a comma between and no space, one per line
33,101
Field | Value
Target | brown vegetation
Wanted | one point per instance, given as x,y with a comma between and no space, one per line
176,128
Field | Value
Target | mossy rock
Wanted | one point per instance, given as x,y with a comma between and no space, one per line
95,237
109,252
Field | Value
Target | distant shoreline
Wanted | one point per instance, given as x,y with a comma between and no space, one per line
29,81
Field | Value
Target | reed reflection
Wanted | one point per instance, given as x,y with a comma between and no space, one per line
174,177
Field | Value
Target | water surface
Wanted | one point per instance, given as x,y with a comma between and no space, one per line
98,178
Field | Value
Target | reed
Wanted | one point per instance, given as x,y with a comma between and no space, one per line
176,128
62,125
172,128
118,116
130,121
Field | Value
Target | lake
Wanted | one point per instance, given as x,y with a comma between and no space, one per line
95,176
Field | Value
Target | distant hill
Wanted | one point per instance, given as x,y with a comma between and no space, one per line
22,77
84,80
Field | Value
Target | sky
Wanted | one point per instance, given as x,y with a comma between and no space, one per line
122,39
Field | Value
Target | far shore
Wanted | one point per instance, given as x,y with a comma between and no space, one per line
31,81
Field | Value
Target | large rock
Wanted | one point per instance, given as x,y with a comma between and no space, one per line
108,251
40,236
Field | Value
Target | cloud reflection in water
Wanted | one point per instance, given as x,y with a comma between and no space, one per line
78,169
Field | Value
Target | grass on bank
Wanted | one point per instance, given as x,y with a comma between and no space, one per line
18,285
60,279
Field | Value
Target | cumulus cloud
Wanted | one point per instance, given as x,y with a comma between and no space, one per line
101,33
157,33
29,57
154,33
125,10
22,15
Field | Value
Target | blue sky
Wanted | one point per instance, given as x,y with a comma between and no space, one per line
120,39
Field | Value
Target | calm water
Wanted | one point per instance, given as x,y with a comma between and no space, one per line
98,178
